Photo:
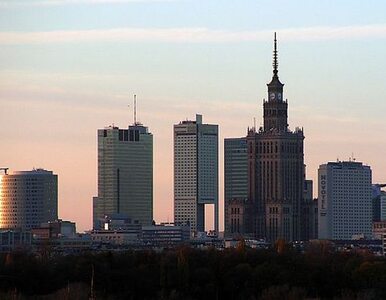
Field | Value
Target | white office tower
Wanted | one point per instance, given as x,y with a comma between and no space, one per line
28,198
195,172
125,174
345,201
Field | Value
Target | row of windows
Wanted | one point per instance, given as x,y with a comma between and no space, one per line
235,210
235,225
275,147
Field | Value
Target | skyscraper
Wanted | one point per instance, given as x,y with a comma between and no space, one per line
345,200
125,174
195,172
28,198
235,184
275,169
379,202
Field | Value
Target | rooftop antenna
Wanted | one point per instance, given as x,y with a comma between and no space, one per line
275,62
254,123
135,109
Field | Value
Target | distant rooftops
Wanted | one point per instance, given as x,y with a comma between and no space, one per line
197,121
37,171
346,164
136,126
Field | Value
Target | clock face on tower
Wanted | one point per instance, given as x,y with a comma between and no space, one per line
279,96
272,96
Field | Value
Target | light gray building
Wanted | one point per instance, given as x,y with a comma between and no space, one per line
165,234
235,183
125,174
195,172
28,198
345,200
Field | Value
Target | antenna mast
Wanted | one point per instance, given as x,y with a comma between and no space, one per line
135,109
275,63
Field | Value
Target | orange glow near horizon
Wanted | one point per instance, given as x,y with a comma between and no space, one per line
1,200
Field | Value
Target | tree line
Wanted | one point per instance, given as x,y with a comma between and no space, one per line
186,273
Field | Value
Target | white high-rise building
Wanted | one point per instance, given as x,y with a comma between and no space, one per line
125,174
195,172
28,198
345,200
382,202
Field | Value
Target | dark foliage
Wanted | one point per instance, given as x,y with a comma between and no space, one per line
194,274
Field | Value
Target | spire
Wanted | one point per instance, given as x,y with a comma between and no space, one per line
275,63
275,85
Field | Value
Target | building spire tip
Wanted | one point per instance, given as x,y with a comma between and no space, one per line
275,62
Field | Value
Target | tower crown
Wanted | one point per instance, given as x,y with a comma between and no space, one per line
275,109
275,86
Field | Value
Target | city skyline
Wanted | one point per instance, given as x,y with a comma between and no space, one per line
57,88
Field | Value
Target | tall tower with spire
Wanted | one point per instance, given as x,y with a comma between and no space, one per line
275,169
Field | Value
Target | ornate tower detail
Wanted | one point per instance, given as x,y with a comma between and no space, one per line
275,109
275,169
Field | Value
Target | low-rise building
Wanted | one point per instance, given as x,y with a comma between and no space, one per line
165,234
120,222
379,228
384,244
14,239
54,229
116,237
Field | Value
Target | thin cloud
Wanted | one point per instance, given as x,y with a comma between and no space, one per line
191,35
12,3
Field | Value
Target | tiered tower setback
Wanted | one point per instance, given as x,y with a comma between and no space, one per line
275,169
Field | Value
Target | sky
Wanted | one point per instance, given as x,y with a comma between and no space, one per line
69,67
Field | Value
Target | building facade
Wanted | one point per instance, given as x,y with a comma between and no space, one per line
379,202
28,198
195,173
11,240
345,200
54,229
275,169
308,214
379,228
235,184
165,234
125,174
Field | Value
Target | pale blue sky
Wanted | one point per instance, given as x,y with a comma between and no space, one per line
220,14
70,67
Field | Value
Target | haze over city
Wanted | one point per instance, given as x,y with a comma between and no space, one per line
68,68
